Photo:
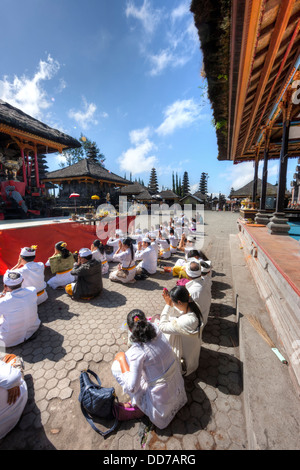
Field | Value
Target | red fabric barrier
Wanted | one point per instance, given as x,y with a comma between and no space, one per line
76,236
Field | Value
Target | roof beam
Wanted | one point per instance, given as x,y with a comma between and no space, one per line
252,18
277,35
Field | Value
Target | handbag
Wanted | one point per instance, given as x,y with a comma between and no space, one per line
97,401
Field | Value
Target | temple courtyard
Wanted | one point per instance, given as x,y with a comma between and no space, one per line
241,397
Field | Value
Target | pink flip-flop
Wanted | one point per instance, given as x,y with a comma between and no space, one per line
127,413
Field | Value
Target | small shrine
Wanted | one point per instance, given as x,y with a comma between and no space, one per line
87,179
24,142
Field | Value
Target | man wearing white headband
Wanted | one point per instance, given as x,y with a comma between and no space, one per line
146,254
164,244
154,243
32,272
114,243
199,285
88,274
18,310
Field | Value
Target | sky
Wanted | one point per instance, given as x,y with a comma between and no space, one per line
125,74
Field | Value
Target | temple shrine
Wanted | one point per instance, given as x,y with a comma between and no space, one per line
251,60
24,142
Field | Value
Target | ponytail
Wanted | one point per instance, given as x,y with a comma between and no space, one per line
128,242
62,248
99,245
180,293
142,331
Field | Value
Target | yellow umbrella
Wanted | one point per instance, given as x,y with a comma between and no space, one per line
95,197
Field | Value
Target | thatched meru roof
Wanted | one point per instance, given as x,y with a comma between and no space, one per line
246,191
212,20
138,191
132,189
200,195
192,197
85,168
168,194
16,119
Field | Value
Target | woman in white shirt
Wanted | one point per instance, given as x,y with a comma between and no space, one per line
114,243
164,244
13,397
126,268
149,372
181,322
173,241
146,254
61,264
98,253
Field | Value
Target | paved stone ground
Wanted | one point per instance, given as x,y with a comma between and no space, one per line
77,335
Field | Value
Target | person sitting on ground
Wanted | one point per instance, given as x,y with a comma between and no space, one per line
98,252
173,241
18,310
164,243
146,254
199,285
154,243
183,331
186,244
126,269
33,272
113,242
193,227
13,395
61,264
178,270
88,275
149,373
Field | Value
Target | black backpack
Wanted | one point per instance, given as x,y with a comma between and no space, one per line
97,401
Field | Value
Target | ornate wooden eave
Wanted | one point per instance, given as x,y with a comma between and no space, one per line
28,141
264,60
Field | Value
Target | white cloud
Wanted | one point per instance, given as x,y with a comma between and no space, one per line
241,174
139,135
138,159
180,11
28,93
181,44
145,14
178,40
180,114
166,58
86,116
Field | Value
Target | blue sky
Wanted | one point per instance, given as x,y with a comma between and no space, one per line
124,73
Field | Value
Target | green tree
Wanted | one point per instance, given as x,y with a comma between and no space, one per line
88,149
173,183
